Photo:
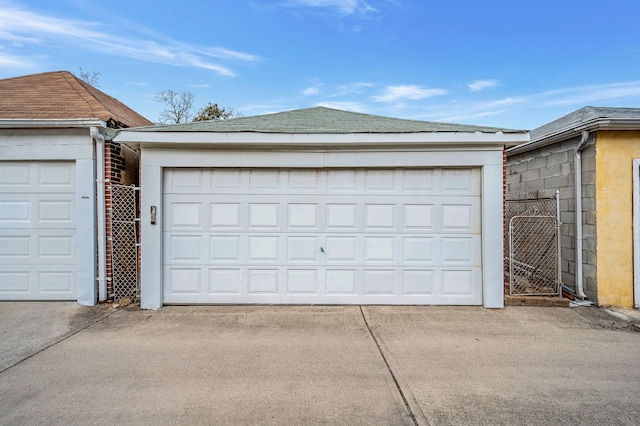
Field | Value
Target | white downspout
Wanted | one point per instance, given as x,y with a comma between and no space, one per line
577,172
102,238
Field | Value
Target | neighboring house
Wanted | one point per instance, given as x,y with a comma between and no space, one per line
601,244
321,206
56,162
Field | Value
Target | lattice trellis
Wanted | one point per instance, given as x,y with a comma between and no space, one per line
124,243
532,263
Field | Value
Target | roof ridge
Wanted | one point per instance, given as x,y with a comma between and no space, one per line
74,82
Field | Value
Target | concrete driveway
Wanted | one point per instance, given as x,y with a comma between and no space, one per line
64,364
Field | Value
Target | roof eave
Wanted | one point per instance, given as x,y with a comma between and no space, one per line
575,130
282,140
41,123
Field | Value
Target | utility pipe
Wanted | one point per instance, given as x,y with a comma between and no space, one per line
577,172
102,238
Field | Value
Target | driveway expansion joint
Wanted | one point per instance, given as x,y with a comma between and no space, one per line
60,340
389,369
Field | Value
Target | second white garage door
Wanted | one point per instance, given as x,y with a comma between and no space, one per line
336,236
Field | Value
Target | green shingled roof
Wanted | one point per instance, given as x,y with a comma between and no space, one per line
321,120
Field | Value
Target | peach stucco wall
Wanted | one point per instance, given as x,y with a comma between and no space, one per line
615,152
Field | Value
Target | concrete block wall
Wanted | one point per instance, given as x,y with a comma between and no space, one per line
551,168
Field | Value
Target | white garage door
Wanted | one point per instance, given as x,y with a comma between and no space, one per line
37,231
343,236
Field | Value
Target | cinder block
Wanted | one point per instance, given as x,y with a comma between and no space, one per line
556,182
537,163
559,157
534,185
588,177
517,167
568,253
550,171
588,204
589,230
516,187
514,178
588,164
567,192
589,271
530,175
567,241
567,218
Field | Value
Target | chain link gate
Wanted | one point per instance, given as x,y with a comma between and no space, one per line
124,243
533,245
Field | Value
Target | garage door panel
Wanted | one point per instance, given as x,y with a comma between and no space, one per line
303,216
35,210
460,216
419,282
323,236
187,215
264,216
380,217
460,250
185,281
419,250
22,177
263,281
380,281
37,282
226,248
302,281
225,215
460,181
37,246
303,248
185,248
379,180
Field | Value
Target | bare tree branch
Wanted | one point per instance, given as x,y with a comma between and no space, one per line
90,77
179,106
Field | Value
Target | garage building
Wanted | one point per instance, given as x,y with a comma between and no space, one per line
321,206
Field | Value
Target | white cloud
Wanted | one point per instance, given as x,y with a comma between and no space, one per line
414,93
347,7
584,95
17,25
482,84
15,62
310,91
548,105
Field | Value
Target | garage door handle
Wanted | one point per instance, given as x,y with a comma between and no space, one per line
321,249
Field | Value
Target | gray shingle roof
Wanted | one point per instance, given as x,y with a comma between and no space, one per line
571,125
586,116
321,120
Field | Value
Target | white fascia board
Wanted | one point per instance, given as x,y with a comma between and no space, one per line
185,139
25,123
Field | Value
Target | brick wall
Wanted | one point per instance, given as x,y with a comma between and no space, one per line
551,168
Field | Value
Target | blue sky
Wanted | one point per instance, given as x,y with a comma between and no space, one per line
504,63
